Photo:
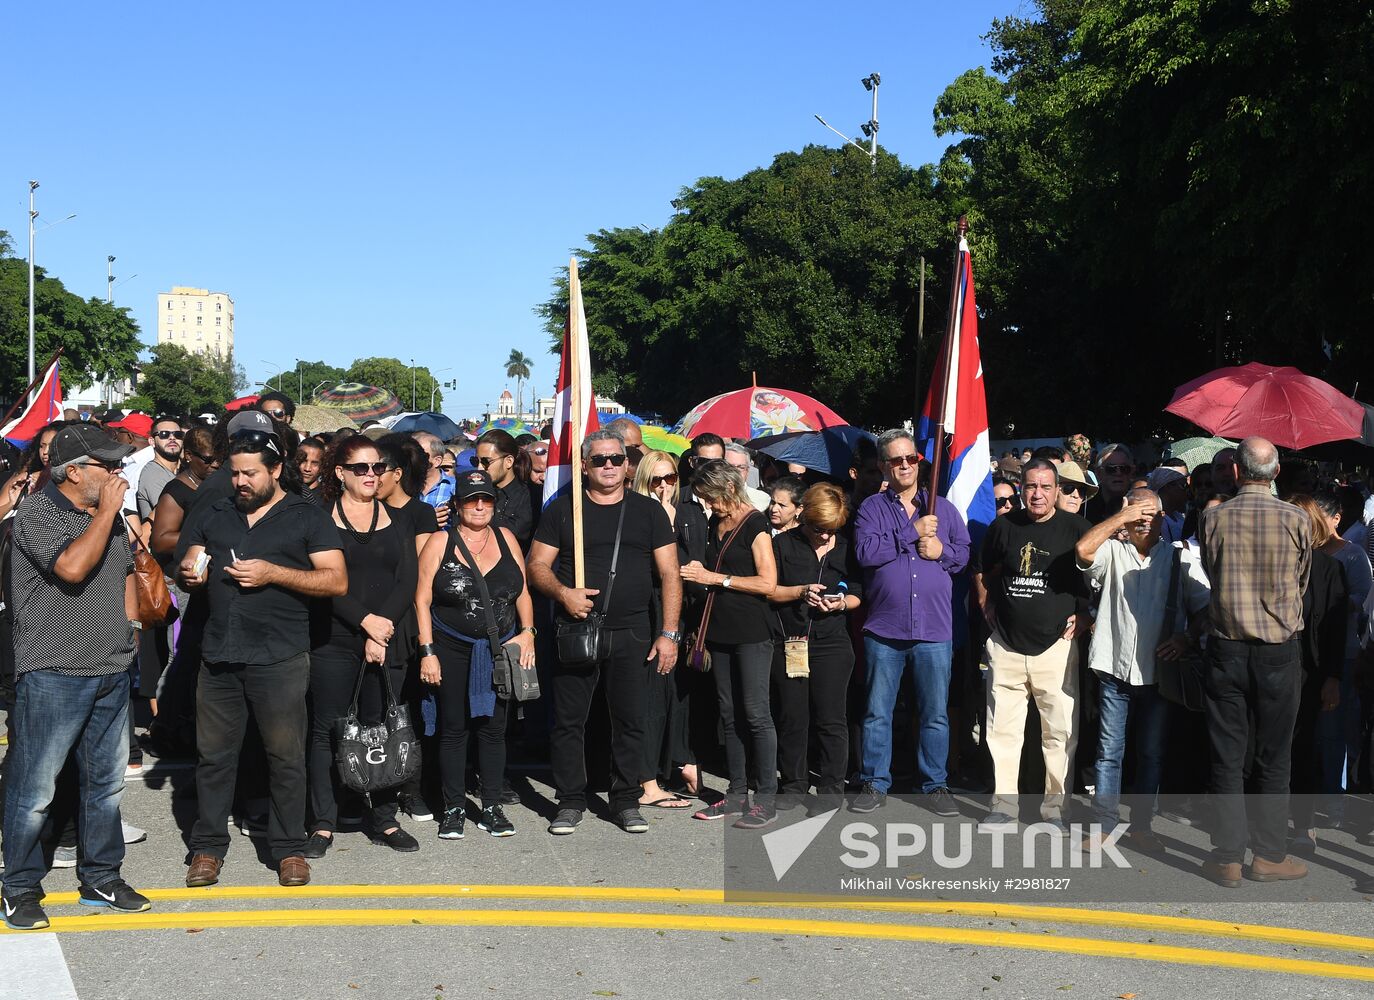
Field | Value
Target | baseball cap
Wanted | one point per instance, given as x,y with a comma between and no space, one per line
135,423
474,484
76,441
251,420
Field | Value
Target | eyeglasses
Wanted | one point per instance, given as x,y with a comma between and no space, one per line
164,435
902,461
600,461
476,501
539,451
1007,501
107,466
1071,489
276,414
447,468
1117,470
207,459
656,481
261,439
486,463
361,468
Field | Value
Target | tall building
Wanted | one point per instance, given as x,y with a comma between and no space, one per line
198,320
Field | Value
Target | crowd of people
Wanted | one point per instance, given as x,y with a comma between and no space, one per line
798,633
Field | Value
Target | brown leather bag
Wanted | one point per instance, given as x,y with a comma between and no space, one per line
154,600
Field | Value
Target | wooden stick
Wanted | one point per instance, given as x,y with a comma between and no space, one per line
577,333
937,461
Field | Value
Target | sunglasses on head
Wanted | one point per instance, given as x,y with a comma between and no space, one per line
362,468
600,461
263,440
901,461
670,479
164,435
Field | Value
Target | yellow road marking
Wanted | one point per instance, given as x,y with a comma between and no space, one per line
1125,920
712,924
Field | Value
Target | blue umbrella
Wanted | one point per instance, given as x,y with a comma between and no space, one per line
433,423
829,451
606,416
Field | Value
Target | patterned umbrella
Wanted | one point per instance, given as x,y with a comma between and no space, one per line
1196,450
359,402
509,424
313,419
660,439
756,411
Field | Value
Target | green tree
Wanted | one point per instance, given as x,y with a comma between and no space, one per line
518,367
178,381
98,341
311,374
804,272
398,377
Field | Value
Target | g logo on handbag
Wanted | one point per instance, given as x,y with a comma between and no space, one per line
376,755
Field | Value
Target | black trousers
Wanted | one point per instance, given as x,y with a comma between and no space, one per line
333,673
455,723
276,692
803,705
1259,684
573,688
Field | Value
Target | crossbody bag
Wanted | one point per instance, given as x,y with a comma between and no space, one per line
584,640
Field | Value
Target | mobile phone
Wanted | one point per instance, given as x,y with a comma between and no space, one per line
201,564
832,595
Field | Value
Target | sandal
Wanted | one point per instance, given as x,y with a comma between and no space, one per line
668,801
693,785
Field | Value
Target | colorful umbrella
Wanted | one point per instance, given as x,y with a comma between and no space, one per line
508,424
433,423
757,411
360,402
660,439
1289,408
1194,451
313,419
829,451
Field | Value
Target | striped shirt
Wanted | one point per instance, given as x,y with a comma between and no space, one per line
1257,552
79,629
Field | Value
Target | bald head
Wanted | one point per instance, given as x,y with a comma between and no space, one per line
1257,461
629,432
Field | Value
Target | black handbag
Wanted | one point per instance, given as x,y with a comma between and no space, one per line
373,758
508,677
1182,681
583,641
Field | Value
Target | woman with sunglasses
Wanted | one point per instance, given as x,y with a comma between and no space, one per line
667,746
1074,488
361,634
455,653
741,578
198,461
819,583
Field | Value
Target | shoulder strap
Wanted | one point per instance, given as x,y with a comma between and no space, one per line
1175,585
493,633
615,552
720,556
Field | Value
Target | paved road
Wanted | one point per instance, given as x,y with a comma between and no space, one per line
603,913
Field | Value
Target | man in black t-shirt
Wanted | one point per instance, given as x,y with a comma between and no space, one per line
629,646
1031,593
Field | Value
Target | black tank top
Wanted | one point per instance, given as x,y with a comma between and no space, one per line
457,601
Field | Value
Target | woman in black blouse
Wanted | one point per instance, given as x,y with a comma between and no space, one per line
819,583
379,551
454,648
741,577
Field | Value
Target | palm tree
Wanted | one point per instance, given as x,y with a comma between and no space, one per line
518,368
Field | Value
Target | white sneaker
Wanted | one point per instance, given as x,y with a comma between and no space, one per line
132,834
64,857
133,771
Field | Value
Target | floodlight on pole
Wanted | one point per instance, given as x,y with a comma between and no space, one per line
870,127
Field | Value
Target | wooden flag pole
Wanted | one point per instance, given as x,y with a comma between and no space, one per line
37,381
941,391
579,415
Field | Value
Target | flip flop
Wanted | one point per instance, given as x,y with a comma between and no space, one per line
667,802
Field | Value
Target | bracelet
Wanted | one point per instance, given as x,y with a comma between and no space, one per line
530,629
427,649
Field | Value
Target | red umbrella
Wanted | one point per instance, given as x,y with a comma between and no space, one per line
756,411
1289,408
242,403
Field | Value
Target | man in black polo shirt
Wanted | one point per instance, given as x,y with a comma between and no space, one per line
270,551
73,600
647,542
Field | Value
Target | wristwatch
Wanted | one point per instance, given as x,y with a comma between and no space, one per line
726,582
530,629
427,649
671,636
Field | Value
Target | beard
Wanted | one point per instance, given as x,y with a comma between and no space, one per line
255,500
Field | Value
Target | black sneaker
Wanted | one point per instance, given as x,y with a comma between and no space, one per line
730,805
451,825
414,807
942,803
509,796
398,840
631,821
23,912
869,800
117,895
565,822
757,818
493,821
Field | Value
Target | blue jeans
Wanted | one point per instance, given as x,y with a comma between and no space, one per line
929,663
54,713
1139,708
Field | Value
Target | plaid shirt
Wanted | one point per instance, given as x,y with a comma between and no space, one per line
1257,552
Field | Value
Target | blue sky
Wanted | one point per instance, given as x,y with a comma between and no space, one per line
405,180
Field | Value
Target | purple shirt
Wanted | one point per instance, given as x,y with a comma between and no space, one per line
908,597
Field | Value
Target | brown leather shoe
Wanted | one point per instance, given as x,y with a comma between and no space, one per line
1225,875
293,871
1275,871
204,870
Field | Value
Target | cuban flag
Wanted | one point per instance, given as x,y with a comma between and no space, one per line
967,481
574,369
45,408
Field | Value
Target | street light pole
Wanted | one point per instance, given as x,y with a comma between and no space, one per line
300,383
109,279
33,186
870,127
412,385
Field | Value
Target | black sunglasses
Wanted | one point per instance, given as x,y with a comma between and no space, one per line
539,451
107,466
600,461
361,468
207,459
1071,489
276,414
450,467
164,435
1007,501
1118,470
486,462
262,439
